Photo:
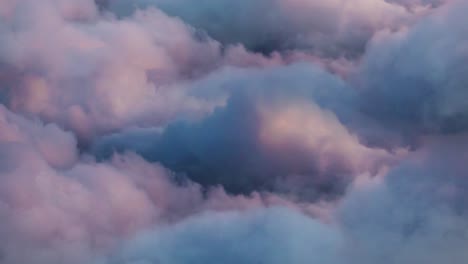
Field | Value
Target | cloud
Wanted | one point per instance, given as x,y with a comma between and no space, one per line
264,131
326,28
281,129
414,79
66,63
69,63
417,213
276,235
60,207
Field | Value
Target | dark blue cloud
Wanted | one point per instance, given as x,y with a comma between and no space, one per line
415,80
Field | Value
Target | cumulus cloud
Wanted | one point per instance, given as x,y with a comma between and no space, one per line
66,63
61,208
417,213
275,235
415,79
280,129
327,28
264,131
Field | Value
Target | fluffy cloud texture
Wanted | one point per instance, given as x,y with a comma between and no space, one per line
67,63
263,131
329,28
415,79
280,129
61,208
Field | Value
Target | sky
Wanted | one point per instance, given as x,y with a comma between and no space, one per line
221,131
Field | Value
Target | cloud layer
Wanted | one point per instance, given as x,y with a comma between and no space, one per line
332,28
264,131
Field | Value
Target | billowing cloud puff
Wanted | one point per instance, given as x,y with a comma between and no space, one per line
327,28
417,213
57,147
415,79
67,63
62,208
276,235
280,130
